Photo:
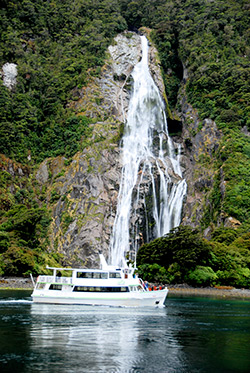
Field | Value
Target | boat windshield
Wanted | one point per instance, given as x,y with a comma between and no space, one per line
89,275
115,275
103,289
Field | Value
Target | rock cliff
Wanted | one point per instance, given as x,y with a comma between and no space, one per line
200,142
83,194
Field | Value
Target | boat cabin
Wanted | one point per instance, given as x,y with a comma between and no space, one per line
106,280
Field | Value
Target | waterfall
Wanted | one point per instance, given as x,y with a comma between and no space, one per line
150,164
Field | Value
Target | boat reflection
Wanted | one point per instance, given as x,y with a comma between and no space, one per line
103,338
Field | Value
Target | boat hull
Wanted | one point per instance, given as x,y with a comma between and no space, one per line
144,299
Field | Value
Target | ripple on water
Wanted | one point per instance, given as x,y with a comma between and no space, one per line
188,336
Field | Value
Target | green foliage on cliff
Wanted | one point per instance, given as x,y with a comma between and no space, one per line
24,223
56,45
214,45
185,256
211,39
23,240
234,161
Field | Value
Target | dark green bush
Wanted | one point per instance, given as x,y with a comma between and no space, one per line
201,276
153,273
225,260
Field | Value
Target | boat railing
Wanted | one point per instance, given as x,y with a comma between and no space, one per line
57,279
144,284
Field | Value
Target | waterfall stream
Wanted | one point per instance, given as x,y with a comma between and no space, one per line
151,178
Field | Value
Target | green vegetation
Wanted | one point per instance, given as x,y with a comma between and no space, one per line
23,241
211,39
58,46
185,256
235,161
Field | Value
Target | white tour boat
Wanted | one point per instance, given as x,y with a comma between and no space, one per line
108,286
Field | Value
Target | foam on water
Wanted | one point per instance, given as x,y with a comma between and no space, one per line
15,301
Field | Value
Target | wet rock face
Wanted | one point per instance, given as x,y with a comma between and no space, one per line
125,53
83,195
155,70
201,140
108,96
84,209
42,174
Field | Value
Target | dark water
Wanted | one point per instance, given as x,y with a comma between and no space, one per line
189,335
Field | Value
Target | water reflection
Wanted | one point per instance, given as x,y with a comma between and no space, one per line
190,335
122,340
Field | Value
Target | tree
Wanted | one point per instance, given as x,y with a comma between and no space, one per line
183,246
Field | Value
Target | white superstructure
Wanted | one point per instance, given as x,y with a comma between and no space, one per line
109,286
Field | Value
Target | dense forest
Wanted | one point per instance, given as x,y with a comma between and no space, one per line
57,46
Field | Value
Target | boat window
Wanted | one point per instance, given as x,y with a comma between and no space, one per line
105,289
40,286
81,288
103,275
95,275
136,288
100,275
124,289
55,287
89,275
81,274
114,275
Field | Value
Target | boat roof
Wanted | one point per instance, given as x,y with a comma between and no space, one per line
85,269
104,267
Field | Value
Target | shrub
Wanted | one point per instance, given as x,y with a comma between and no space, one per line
202,276
153,273
239,277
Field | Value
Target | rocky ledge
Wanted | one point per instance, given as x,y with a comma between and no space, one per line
15,283
211,292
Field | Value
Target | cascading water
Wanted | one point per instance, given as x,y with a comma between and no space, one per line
150,164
